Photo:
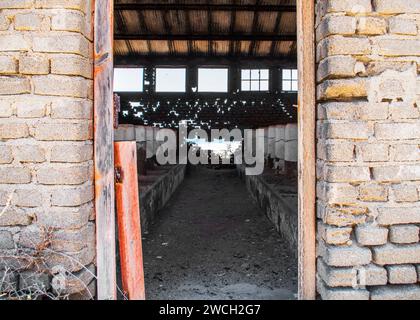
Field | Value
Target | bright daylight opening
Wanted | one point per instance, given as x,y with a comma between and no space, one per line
128,79
290,80
213,80
170,79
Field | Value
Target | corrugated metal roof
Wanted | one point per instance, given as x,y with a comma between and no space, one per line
149,30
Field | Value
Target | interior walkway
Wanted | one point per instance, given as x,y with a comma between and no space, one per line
213,242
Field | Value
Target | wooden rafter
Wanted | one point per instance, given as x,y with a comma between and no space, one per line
208,37
205,7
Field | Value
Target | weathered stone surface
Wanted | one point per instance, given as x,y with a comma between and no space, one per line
64,175
397,131
72,109
341,293
402,274
46,133
78,131
28,22
406,152
6,155
70,197
405,193
368,172
30,153
58,85
396,6
73,240
15,175
353,111
8,65
372,192
61,43
10,282
343,216
404,234
32,64
397,173
371,25
336,25
373,275
31,197
65,218
15,217
398,215
78,282
340,45
399,25
14,85
343,89
345,256
371,235
333,235
347,130
374,152
34,281
72,153
392,254
409,292
336,277
30,108
347,174
337,193
6,241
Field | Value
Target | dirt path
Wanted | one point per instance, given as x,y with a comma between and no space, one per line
212,242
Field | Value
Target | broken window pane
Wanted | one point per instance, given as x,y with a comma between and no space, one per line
128,79
170,79
212,80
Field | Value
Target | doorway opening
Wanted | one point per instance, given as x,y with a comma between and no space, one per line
214,229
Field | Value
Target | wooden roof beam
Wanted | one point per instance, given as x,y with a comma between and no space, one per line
212,7
207,37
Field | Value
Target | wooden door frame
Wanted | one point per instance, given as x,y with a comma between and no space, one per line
306,149
104,156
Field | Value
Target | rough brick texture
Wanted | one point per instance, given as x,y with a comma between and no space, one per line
46,153
368,60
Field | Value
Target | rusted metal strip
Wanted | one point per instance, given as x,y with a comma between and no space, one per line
128,215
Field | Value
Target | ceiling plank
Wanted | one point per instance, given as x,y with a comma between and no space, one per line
204,7
208,37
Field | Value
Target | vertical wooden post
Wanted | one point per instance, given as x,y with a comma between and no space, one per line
307,148
104,149
128,213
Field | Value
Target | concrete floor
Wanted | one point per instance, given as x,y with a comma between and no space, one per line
213,242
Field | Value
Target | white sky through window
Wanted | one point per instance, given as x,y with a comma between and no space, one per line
128,79
290,80
170,79
213,80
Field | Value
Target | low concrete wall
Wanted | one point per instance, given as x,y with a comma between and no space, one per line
156,189
279,202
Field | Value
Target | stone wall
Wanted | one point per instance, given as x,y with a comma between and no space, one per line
46,169
368,55
278,199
